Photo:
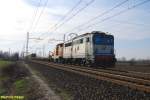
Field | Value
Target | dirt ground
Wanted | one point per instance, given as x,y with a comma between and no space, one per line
82,87
17,79
136,68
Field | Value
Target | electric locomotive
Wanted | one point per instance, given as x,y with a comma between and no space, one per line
95,48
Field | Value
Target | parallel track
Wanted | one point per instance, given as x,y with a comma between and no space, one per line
141,75
121,78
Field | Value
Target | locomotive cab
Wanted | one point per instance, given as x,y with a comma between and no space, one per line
58,53
103,49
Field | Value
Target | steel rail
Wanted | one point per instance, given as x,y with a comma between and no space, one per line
134,74
112,75
141,75
115,74
132,82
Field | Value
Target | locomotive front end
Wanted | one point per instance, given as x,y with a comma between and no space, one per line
103,45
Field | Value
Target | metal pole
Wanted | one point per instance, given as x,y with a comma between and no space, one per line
64,38
27,44
9,52
64,43
43,50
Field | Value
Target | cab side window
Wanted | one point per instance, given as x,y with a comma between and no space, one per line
81,40
87,39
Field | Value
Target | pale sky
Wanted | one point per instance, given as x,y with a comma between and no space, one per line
131,29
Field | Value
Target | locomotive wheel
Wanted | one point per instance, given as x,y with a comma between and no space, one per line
88,63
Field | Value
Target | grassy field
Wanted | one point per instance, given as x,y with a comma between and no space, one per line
15,80
5,63
7,81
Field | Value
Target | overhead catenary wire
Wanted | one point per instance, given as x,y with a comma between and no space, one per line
42,11
116,14
75,14
69,12
36,23
100,15
34,16
130,23
65,16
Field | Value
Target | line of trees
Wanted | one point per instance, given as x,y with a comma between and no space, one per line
133,61
8,56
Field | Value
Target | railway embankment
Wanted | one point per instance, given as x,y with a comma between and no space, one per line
16,79
82,87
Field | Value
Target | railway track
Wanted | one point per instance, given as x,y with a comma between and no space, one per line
141,75
130,80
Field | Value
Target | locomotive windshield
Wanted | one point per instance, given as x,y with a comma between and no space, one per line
103,44
103,40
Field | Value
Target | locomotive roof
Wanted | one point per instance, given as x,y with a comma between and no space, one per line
59,44
93,32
